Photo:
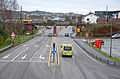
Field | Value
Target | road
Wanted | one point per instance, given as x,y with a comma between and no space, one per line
30,61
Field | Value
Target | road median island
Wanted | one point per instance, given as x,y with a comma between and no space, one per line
96,54
54,59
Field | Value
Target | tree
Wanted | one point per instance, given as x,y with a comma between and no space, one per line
3,34
6,5
1,39
67,18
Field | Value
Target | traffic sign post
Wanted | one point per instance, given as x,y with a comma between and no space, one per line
53,52
86,36
13,36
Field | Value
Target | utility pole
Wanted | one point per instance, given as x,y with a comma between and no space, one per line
21,15
111,40
107,14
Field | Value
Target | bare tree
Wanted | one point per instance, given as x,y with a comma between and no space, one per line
6,5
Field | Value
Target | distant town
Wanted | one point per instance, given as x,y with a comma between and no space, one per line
97,17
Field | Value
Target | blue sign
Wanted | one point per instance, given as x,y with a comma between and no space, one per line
53,52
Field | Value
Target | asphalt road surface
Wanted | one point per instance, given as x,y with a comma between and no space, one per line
30,61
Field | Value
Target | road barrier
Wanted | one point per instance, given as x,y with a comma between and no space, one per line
6,47
20,39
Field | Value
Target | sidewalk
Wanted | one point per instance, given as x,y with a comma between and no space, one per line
95,54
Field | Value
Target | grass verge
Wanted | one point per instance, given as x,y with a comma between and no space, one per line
15,42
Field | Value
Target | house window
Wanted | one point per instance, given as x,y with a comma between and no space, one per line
87,19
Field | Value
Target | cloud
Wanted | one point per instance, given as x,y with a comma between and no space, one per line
76,6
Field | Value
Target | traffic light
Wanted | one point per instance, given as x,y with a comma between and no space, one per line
107,20
53,46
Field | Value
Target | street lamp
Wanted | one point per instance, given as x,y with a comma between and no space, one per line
111,40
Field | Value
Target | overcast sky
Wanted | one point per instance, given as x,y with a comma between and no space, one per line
65,6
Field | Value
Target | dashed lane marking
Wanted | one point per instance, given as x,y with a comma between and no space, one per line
36,45
24,45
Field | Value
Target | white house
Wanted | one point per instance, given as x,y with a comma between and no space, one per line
90,19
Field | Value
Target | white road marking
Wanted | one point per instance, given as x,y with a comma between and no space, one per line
87,54
73,56
47,46
19,54
41,57
36,45
24,45
6,56
21,61
83,40
24,56
33,56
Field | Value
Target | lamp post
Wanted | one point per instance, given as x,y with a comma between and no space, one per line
111,40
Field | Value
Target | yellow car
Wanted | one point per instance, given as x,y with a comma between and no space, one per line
67,50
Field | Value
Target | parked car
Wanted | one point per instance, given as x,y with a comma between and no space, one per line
93,42
116,36
50,35
66,34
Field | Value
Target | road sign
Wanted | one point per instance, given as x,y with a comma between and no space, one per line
12,35
54,51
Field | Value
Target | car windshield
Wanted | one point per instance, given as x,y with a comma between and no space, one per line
66,48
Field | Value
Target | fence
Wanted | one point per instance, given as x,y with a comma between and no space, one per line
103,60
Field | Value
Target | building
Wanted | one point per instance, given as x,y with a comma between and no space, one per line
119,15
104,14
90,18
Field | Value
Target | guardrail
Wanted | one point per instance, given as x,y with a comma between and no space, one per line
23,38
6,47
20,39
12,43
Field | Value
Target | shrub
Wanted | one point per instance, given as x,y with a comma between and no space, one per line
5,36
1,39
